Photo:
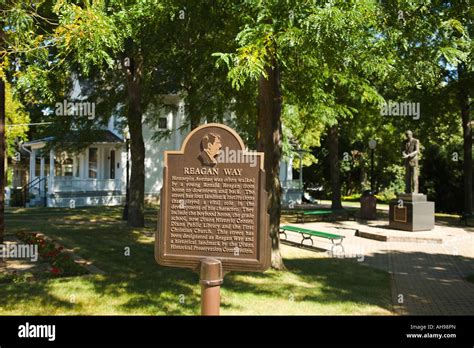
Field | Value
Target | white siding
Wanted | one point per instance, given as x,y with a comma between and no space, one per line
154,150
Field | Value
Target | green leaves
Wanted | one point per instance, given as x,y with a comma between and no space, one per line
256,47
87,32
452,55
16,120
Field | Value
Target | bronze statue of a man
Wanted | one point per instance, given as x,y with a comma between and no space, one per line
411,149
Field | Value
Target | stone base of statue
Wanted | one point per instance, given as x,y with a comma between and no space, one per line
411,212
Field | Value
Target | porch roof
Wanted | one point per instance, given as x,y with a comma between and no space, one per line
102,136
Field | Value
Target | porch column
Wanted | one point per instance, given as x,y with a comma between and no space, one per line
175,117
178,116
32,164
289,169
51,171
42,185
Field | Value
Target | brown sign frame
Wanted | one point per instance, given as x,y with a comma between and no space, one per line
262,237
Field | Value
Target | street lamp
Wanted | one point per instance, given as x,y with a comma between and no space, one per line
372,145
300,152
127,194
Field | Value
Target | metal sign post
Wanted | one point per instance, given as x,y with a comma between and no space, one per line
211,278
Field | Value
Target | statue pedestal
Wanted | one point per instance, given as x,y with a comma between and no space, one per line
411,212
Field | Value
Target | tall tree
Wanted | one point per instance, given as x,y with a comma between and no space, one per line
464,105
269,141
2,158
334,169
258,58
100,35
134,86
2,133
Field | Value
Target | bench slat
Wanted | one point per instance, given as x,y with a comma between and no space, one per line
319,212
327,212
311,232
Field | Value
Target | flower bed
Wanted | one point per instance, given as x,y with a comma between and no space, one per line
62,265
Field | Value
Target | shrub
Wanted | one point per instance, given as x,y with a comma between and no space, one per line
62,264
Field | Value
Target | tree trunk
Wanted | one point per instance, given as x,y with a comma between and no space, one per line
269,140
467,136
137,148
333,139
195,120
193,116
2,159
2,143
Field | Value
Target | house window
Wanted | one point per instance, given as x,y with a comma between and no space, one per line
63,165
66,167
93,161
163,123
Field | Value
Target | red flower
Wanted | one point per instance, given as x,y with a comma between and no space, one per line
55,270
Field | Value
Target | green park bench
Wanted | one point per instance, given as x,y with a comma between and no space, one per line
324,213
336,239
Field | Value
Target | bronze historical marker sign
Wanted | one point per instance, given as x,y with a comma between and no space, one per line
213,203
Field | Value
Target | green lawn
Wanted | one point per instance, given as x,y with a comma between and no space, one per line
135,284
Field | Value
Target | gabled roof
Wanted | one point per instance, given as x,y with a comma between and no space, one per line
108,137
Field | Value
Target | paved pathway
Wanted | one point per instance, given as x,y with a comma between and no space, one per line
427,278
430,279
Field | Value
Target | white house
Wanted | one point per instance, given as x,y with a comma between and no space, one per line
97,175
